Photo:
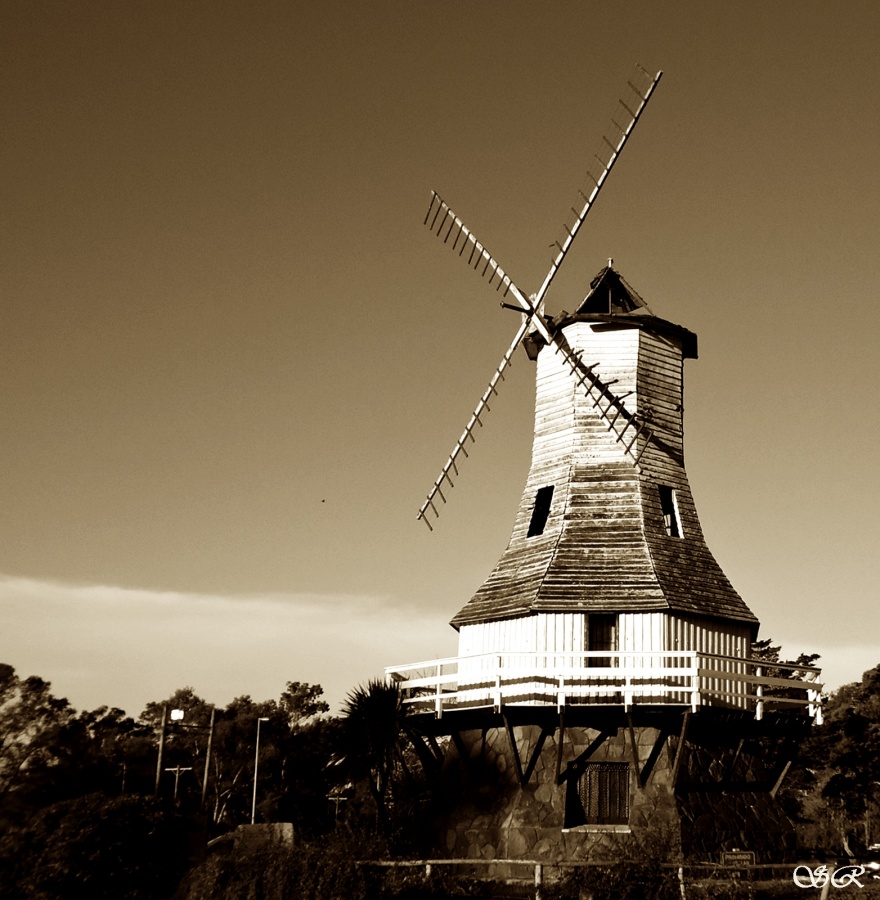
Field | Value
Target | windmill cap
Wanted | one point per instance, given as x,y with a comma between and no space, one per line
613,300
611,294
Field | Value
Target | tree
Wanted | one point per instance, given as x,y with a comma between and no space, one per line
115,754
96,847
308,777
288,754
849,769
194,707
301,702
832,789
378,749
185,745
232,763
31,721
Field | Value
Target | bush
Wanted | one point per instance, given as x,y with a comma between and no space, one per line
270,870
632,880
97,847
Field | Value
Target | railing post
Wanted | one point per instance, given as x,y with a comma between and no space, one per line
560,694
539,880
814,706
695,682
498,685
759,694
438,701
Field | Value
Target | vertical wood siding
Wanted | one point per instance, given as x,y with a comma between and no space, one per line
562,633
565,631
711,636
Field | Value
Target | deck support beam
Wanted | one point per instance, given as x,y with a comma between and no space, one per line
517,762
729,773
679,755
786,758
576,764
560,745
533,757
427,750
781,778
523,775
634,747
460,746
656,750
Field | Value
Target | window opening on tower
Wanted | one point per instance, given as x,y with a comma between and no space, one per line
602,637
540,511
669,508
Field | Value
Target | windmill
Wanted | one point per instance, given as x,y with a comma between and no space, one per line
603,684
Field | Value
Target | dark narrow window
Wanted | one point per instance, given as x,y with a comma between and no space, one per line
601,636
601,796
669,508
541,511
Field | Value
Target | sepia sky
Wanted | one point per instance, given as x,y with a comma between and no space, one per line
232,359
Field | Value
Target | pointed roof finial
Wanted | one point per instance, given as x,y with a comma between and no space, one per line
610,262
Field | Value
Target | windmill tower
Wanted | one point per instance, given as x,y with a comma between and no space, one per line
603,687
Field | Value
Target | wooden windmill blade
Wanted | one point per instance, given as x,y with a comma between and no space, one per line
605,161
447,225
451,464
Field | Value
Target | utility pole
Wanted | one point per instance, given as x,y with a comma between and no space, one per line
161,749
208,758
178,770
256,767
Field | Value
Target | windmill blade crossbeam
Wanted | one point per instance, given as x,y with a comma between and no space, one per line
459,448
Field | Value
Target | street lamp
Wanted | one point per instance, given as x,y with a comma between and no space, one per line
256,767
176,718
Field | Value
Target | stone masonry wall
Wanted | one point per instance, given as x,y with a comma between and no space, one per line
487,816
714,819
484,814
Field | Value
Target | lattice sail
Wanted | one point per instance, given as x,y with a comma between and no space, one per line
604,160
446,224
482,407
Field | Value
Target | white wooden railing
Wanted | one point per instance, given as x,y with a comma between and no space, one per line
620,678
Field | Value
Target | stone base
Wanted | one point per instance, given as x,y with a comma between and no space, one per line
721,800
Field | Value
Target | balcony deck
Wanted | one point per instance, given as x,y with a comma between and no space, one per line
623,679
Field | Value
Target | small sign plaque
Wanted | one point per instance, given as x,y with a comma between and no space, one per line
737,859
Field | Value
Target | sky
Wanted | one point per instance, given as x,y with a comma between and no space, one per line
233,360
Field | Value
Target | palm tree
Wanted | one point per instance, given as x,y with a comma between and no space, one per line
375,740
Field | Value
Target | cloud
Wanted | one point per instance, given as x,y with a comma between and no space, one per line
100,644
106,645
842,665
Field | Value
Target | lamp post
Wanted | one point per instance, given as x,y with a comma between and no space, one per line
256,768
172,720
